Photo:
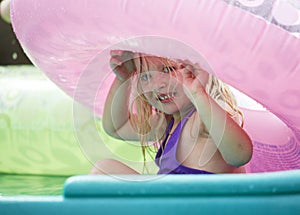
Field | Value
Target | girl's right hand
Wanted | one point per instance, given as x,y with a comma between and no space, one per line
122,63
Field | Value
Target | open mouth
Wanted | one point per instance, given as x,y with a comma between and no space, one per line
166,98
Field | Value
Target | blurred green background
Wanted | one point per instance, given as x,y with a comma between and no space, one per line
38,144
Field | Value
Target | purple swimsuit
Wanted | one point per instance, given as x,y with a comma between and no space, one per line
166,159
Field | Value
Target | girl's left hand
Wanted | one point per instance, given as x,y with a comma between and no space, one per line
194,78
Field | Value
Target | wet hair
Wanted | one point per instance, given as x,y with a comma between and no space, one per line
142,110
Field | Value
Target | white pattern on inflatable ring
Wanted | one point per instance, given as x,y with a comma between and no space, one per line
252,3
286,14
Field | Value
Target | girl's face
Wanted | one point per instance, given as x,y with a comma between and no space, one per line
161,83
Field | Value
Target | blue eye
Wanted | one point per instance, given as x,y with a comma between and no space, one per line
145,77
168,69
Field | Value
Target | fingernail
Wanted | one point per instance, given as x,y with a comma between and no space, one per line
181,66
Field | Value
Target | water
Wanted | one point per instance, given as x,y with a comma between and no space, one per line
34,185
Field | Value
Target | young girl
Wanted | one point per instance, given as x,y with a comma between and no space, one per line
191,114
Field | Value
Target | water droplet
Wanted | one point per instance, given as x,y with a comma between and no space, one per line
14,56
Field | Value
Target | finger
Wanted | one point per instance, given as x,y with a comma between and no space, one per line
114,53
181,66
199,72
122,56
120,73
197,66
189,63
202,75
189,68
187,73
186,61
114,62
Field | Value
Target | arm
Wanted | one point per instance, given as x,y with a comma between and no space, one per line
116,115
232,141
116,122
116,112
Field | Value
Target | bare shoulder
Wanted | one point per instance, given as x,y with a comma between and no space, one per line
196,149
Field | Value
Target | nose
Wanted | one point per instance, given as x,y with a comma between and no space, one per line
159,81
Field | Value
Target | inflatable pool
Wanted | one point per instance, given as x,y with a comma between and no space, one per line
274,193
252,45
39,152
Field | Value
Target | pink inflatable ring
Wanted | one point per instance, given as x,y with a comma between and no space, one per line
67,39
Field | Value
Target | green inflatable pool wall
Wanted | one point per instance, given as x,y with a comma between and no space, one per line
36,128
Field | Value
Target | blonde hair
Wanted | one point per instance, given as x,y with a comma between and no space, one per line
215,88
218,90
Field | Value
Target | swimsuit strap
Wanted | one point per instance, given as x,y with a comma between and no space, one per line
166,156
175,135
